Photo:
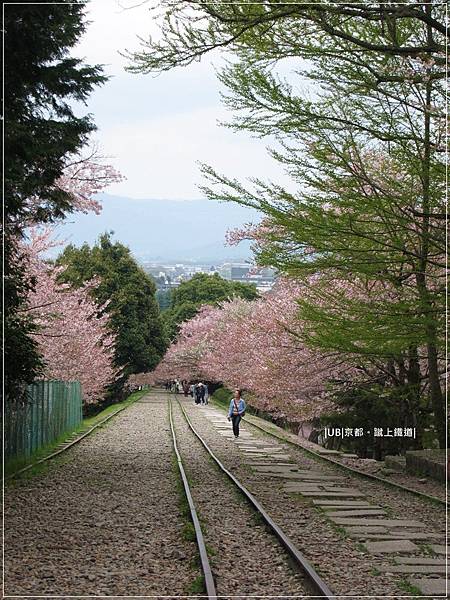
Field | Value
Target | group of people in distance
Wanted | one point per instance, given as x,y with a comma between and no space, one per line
200,392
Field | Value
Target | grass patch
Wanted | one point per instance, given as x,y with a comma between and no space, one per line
257,519
412,590
428,550
15,464
189,532
198,585
209,550
338,529
221,397
360,546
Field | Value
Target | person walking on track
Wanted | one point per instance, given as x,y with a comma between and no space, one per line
201,392
236,411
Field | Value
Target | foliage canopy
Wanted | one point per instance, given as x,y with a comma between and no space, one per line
189,296
129,295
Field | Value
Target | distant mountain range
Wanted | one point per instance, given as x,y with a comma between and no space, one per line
184,230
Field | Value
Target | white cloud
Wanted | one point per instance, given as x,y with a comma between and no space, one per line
159,156
156,128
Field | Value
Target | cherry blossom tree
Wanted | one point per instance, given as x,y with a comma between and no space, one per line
73,334
252,345
84,176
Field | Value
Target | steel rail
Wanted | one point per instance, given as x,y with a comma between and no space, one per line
206,567
316,582
70,444
298,445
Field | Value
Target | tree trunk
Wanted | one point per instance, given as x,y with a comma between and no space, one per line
436,396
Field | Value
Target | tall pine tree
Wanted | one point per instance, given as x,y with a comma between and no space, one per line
40,132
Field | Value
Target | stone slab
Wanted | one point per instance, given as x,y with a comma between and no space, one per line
326,478
369,529
419,560
394,536
424,569
276,469
279,456
431,587
326,504
353,505
384,522
328,452
439,549
302,488
303,471
335,494
258,463
291,475
329,483
348,455
337,488
294,485
357,513
392,546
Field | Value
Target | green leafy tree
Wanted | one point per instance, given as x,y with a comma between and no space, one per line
364,142
201,289
40,131
163,298
130,296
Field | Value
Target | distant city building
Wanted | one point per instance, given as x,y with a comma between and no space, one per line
239,272
170,275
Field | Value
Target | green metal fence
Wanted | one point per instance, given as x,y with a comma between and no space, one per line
53,408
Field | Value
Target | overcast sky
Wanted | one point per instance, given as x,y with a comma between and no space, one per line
156,128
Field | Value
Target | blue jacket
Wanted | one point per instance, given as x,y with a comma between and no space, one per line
241,407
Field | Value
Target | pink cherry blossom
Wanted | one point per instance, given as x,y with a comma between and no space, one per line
251,345
84,176
75,342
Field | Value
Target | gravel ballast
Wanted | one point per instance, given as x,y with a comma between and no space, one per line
105,519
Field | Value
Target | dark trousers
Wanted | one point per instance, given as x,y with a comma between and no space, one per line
236,419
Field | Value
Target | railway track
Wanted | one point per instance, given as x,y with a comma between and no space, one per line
394,529
313,582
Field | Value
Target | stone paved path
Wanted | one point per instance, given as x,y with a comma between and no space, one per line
349,507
